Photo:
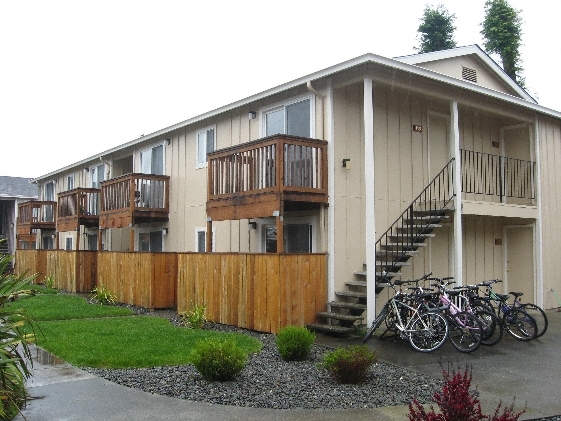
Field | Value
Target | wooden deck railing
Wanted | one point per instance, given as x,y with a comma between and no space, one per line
134,198
34,215
266,170
256,291
78,207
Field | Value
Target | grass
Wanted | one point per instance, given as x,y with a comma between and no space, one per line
92,335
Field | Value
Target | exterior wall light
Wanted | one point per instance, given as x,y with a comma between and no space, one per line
252,115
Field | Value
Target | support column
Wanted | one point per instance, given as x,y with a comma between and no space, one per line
458,235
538,238
330,137
208,235
370,223
280,232
131,245
99,238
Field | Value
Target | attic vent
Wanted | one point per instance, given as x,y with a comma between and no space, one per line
469,74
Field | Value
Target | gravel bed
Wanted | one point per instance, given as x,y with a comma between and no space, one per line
269,382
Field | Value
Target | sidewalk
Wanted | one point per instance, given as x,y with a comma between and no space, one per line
527,371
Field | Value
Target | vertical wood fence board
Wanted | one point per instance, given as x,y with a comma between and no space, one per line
273,294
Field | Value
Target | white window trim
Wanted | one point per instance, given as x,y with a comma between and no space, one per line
203,229
282,104
204,130
148,148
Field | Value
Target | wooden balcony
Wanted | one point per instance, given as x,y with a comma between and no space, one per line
34,215
78,207
260,178
134,199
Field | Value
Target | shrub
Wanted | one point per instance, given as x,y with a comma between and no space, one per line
195,319
218,359
102,295
349,365
457,403
294,343
49,282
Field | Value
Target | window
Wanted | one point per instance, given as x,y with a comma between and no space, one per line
48,242
293,118
97,175
150,241
206,143
200,240
49,193
152,160
68,243
92,241
70,182
297,238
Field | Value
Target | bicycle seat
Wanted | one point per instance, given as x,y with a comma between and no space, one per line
454,293
503,296
517,294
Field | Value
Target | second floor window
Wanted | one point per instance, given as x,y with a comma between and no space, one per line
293,118
206,142
97,175
152,160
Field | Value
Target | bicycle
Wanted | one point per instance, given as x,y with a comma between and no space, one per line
515,320
465,328
424,327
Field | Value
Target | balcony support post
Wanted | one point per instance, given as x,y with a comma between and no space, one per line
208,235
280,233
455,148
131,246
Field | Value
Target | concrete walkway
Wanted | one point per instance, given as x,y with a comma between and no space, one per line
528,371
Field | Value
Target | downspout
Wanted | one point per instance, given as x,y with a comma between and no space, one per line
329,136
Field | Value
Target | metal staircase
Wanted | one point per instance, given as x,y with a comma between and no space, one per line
394,249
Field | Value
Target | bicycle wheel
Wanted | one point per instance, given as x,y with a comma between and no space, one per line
465,331
539,316
376,323
520,324
427,332
492,327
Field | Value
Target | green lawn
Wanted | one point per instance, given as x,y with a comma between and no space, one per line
92,335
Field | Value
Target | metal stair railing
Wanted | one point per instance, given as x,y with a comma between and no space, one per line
415,221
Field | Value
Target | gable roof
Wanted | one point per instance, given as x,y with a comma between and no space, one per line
17,187
401,64
474,50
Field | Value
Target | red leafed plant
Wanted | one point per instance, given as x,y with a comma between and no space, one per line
457,403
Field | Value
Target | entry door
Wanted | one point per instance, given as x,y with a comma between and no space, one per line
517,177
520,262
439,143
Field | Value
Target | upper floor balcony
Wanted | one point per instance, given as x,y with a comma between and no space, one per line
133,199
78,207
34,215
258,178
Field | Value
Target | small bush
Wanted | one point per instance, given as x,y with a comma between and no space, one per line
294,343
102,295
218,359
349,365
195,319
456,402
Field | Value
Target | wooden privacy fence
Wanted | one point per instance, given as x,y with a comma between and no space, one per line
256,291
142,279
72,271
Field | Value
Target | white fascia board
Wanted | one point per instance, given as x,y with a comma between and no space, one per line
397,64
464,51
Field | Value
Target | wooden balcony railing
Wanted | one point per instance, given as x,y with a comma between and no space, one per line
252,179
78,207
133,199
35,215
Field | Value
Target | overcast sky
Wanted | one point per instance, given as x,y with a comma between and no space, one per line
80,77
